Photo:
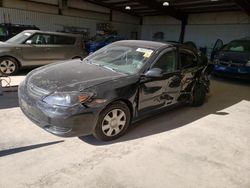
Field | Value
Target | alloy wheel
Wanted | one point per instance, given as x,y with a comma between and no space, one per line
7,66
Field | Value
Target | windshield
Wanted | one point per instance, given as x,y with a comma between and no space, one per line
238,46
20,38
121,58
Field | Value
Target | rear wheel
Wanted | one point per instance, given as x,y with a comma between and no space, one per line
198,95
113,122
8,66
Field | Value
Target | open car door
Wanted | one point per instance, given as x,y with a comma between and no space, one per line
217,46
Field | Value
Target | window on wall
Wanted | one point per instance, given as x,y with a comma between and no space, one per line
167,62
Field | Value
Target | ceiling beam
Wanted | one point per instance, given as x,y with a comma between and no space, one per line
209,7
170,11
110,6
192,2
119,2
200,11
245,5
221,4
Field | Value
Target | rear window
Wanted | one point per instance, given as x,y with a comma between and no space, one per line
238,46
64,40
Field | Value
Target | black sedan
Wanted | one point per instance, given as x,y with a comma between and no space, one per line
115,86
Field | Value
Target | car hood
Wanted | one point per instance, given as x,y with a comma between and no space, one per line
235,57
74,75
6,44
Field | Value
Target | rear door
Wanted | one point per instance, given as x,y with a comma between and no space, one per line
63,47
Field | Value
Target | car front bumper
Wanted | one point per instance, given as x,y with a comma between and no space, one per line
60,121
234,72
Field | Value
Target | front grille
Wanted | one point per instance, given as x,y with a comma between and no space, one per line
230,64
35,91
57,129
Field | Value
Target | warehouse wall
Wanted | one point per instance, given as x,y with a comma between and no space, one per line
76,13
168,25
203,29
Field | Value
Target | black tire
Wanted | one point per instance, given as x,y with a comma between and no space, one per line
199,95
101,134
214,74
77,57
12,69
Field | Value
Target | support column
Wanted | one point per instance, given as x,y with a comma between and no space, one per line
183,28
111,15
62,4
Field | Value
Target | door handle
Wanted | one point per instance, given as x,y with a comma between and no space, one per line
175,81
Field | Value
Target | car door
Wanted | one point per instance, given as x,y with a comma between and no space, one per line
160,92
36,50
62,47
217,46
189,67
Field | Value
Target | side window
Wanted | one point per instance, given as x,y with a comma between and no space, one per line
64,40
167,62
40,39
188,59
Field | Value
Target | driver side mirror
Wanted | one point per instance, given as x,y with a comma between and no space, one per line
29,42
153,73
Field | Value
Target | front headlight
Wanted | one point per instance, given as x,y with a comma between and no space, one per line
248,64
67,99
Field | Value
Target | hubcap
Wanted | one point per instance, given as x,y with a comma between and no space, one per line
7,66
114,122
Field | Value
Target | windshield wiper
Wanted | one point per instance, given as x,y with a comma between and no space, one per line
109,68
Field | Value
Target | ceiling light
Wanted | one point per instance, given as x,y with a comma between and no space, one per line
165,4
128,8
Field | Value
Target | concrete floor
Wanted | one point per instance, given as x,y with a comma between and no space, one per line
207,146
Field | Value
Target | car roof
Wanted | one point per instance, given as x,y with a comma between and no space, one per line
144,44
54,33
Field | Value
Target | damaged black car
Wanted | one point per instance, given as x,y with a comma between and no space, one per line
112,88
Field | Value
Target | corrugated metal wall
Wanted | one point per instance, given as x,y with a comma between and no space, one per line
203,29
53,22
44,21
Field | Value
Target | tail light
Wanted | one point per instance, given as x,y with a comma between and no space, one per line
82,45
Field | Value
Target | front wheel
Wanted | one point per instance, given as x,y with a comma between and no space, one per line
113,122
8,66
